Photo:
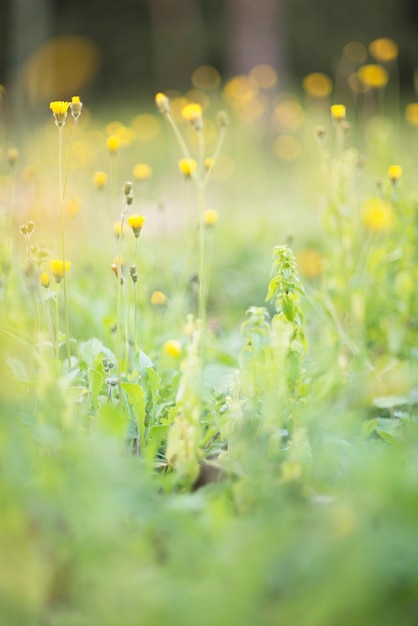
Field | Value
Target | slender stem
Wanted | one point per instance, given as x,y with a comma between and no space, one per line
202,276
62,187
183,146
119,305
57,318
135,320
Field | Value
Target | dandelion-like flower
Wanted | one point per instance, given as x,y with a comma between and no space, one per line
209,163
394,172
187,167
60,110
113,144
118,229
100,179
136,222
158,298
75,107
44,280
210,217
377,215
373,75
172,348
142,171
411,113
162,102
59,268
384,49
192,112
12,156
338,112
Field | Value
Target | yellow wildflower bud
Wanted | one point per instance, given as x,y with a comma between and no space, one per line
60,110
118,229
222,119
187,167
113,143
100,179
59,268
162,102
394,172
209,162
142,171
158,298
338,112
44,280
12,156
136,222
76,107
172,347
210,217
193,113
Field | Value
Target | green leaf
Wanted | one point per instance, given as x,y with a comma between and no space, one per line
111,420
288,308
96,381
136,398
368,427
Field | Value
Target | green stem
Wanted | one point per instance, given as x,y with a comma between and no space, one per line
62,188
119,306
57,317
202,273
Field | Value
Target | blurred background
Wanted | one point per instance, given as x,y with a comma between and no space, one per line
113,51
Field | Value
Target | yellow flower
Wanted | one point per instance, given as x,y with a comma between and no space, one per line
310,263
60,110
136,222
172,347
384,49
192,112
338,112
58,269
142,171
187,167
373,75
210,217
411,113
76,106
377,215
12,156
44,280
394,172
317,85
158,298
118,229
209,163
100,179
162,102
113,143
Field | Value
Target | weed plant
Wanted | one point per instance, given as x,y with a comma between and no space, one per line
189,437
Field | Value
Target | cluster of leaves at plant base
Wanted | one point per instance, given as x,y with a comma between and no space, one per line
284,290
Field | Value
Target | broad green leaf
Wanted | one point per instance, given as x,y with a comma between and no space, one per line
110,419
